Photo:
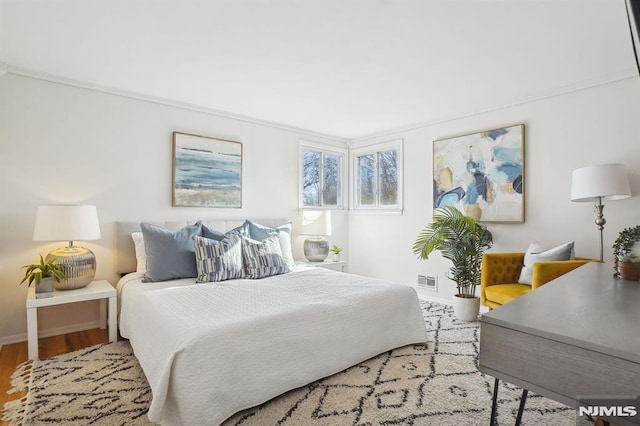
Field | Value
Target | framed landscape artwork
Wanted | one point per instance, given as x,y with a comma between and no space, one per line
482,174
207,172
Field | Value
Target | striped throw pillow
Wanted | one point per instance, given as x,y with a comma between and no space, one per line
263,258
218,260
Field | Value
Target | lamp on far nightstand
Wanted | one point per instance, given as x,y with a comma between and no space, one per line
70,223
316,223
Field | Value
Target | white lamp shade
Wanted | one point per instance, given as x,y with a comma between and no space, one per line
316,222
608,181
66,223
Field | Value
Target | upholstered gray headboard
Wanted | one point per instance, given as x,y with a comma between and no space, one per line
125,254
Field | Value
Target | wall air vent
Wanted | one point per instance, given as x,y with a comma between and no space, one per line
428,282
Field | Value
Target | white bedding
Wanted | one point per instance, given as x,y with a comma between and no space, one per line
211,350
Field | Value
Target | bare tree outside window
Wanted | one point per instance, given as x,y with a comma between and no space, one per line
321,178
377,184
367,180
311,178
377,176
331,189
388,169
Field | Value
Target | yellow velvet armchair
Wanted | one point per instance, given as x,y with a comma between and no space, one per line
500,273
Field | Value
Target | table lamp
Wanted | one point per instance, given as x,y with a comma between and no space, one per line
70,223
598,183
317,224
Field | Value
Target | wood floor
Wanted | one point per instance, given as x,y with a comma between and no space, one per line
14,354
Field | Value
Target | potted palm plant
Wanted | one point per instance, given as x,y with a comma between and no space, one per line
43,274
462,240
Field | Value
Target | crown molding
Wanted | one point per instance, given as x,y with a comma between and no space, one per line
24,72
351,142
583,85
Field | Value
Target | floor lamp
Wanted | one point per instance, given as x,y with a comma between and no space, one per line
599,183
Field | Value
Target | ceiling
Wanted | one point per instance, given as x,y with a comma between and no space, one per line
344,68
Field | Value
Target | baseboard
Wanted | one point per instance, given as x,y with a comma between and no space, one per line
422,296
428,298
16,338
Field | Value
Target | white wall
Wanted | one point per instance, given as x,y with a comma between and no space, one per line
63,144
593,126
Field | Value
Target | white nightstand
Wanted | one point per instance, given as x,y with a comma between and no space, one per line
340,266
96,290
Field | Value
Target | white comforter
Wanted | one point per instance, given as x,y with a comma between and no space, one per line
211,350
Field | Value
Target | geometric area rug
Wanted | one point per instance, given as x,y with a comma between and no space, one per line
433,384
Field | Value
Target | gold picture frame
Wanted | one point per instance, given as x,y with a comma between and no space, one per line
207,172
482,174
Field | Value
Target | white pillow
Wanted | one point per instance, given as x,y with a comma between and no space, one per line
260,232
141,254
535,253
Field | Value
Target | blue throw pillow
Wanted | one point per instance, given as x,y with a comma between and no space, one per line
283,232
212,234
263,258
218,260
170,255
242,230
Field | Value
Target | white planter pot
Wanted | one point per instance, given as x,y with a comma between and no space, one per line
466,308
336,257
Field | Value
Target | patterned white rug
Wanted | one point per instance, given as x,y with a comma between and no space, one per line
433,384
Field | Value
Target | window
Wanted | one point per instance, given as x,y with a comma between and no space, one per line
322,173
378,176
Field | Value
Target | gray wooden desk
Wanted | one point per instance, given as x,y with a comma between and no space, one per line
578,335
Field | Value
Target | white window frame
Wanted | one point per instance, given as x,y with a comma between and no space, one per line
355,153
343,191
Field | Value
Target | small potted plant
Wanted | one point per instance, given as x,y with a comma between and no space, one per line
336,252
623,247
43,274
462,240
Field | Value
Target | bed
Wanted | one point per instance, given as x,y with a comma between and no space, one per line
210,350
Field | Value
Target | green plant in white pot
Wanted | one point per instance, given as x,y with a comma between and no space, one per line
336,250
43,275
462,240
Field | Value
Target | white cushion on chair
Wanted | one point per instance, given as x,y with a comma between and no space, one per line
535,253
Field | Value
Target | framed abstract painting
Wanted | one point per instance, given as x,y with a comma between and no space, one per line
207,172
482,174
